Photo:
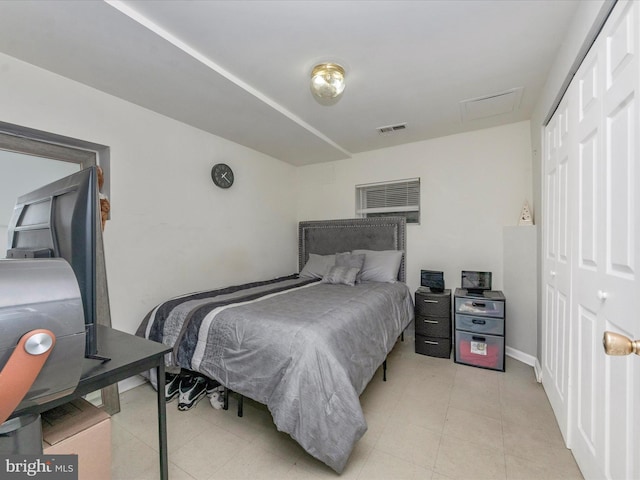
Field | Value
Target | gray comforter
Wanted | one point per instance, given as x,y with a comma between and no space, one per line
305,349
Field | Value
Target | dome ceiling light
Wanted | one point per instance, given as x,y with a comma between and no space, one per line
327,81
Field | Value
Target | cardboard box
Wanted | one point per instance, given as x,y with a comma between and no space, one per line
80,428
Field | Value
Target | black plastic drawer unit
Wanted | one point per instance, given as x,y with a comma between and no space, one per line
433,322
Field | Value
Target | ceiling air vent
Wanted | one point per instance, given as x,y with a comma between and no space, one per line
391,128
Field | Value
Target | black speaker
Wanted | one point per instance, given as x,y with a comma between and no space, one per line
432,279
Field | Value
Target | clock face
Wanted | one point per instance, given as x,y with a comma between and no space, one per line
222,175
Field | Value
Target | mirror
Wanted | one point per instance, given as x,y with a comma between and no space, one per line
26,164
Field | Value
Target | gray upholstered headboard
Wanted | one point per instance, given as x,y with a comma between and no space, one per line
326,237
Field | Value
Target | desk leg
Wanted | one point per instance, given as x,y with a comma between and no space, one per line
162,422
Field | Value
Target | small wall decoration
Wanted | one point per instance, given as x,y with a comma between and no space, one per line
105,206
525,215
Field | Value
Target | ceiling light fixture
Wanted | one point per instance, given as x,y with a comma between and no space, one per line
327,80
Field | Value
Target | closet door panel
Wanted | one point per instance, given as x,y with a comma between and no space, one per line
605,284
587,405
620,170
588,201
619,312
557,258
587,382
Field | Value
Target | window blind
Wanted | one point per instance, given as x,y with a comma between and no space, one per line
395,198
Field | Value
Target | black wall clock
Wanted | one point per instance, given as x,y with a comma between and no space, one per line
222,175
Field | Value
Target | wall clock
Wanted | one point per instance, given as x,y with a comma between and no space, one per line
222,175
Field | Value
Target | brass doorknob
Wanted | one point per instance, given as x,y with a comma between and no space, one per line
616,344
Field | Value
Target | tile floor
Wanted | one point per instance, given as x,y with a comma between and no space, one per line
432,419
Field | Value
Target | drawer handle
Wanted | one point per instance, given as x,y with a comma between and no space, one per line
431,321
477,321
479,304
479,339
430,301
429,342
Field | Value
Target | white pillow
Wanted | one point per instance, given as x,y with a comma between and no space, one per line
380,265
318,265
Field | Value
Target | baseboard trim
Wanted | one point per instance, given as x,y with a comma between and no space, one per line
521,356
538,370
131,382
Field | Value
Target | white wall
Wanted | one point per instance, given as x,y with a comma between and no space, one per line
520,288
171,230
472,185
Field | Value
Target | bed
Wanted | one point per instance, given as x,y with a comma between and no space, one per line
305,345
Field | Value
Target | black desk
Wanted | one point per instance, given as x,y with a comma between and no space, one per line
129,356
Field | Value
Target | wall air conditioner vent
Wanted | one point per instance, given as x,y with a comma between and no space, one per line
391,128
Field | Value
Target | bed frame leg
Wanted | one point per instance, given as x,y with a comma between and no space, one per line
225,401
402,336
384,371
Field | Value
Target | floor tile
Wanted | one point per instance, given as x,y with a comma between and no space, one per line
522,469
461,459
383,466
480,401
537,445
479,429
211,449
252,462
133,460
410,442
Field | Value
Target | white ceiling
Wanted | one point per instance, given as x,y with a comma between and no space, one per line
240,69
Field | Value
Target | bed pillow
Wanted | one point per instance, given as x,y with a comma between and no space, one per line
352,261
339,274
380,265
317,266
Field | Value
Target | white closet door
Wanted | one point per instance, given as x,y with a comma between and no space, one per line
605,400
556,266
